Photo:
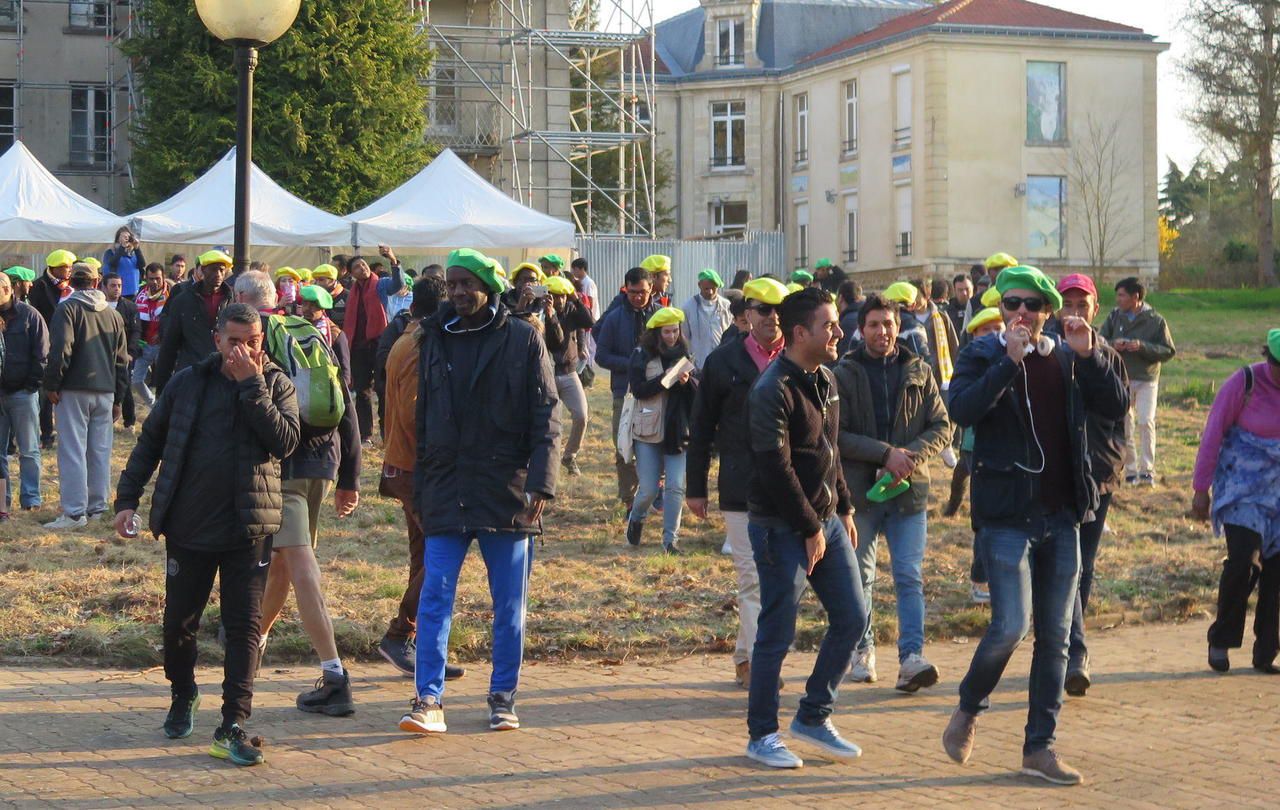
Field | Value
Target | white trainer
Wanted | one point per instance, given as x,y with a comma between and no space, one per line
864,666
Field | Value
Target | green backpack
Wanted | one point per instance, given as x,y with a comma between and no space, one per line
299,348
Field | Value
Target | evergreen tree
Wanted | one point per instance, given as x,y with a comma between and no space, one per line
338,105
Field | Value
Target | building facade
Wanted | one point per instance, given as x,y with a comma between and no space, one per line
915,139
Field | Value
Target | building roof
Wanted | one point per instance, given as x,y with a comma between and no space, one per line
979,15
787,30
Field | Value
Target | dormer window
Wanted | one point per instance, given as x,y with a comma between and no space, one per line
730,43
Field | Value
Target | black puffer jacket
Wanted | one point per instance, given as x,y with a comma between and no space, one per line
720,421
477,459
186,332
794,420
1004,492
270,431
26,338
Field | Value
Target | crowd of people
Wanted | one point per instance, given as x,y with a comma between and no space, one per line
823,406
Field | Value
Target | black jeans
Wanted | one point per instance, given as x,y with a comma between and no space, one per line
242,574
1090,535
363,362
1239,576
47,432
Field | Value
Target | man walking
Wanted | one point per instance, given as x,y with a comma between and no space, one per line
46,293
801,527
218,433
706,316
150,303
86,379
364,320
1027,397
487,445
113,288
26,352
892,420
962,307
617,334
1142,338
720,424
189,318
565,320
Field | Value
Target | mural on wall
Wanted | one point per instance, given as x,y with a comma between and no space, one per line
1046,204
1046,102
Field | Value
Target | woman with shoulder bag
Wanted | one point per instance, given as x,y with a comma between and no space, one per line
662,380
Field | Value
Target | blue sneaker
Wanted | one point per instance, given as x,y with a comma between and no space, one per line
825,737
772,751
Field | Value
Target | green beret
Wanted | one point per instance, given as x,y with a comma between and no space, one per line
802,277
712,276
821,263
18,273
1026,277
1273,342
478,265
317,295
552,258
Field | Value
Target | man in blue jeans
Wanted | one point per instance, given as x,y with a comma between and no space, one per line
800,521
1027,397
892,421
26,352
487,455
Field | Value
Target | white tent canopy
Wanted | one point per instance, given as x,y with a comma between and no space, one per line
447,204
36,207
203,213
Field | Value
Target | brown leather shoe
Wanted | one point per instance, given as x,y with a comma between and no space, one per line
957,739
1045,764
742,675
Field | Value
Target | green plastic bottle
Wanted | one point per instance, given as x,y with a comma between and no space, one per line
883,491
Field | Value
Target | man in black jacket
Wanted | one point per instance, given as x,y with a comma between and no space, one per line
487,444
113,288
565,319
46,292
1027,398
187,332
801,526
218,433
720,424
26,351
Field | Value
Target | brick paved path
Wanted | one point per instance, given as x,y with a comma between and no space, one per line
1158,730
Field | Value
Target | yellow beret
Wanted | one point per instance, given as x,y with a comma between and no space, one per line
984,317
559,285
657,263
765,290
794,287
990,298
904,292
92,262
60,258
215,257
281,272
305,273
325,271
999,260
538,275
665,317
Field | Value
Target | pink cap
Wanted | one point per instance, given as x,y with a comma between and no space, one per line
1077,281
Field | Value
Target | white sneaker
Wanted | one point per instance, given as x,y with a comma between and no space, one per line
864,666
67,522
949,458
916,673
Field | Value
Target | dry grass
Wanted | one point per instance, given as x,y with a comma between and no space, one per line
90,596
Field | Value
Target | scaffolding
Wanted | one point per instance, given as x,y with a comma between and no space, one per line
569,95
100,106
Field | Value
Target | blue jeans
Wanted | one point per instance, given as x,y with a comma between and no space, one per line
20,417
651,463
906,535
138,377
1090,534
781,562
508,558
1033,571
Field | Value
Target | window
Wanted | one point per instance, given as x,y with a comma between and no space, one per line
902,212
643,114
90,125
802,235
728,133
442,109
8,114
84,14
8,12
1046,103
802,127
1046,216
728,217
850,228
730,43
851,117
902,110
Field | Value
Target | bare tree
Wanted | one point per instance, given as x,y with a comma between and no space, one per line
1235,65
1098,201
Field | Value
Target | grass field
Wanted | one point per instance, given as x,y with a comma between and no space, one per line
91,596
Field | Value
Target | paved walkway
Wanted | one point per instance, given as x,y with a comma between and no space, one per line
1157,730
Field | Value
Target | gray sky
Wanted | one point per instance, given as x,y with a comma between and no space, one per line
1159,17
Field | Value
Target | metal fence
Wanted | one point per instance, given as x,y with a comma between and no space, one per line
609,258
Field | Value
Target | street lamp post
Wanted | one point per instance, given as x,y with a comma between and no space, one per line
247,25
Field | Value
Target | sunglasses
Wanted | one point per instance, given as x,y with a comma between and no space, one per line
1013,302
764,309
